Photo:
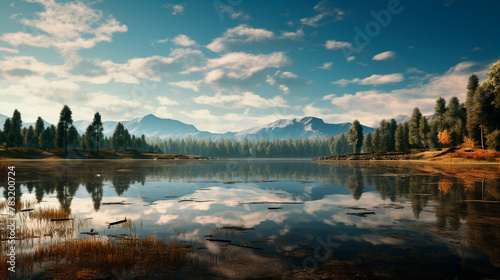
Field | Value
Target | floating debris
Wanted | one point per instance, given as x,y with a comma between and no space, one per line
274,208
218,240
353,208
245,246
237,228
117,222
65,219
204,189
389,206
233,182
361,214
26,210
185,200
91,232
208,200
116,203
271,202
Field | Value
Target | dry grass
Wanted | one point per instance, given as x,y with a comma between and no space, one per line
149,255
474,154
48,212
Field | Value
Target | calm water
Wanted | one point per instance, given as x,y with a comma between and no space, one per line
420,221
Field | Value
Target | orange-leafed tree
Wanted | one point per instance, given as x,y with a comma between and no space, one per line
445,137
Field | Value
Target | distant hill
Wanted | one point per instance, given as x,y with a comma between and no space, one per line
308,127
153,126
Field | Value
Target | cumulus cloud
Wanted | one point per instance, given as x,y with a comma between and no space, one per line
241,34
9,50
351,58
385,56
373,105
68,27
231,11
285,89
183,40
246,99
166,101
326,66
240,65
297,35
372,80
193,85
323,13
177,9
336,45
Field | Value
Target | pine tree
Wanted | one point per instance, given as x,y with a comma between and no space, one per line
65,120
29,138
439,112
15,136
355,136
413,128
39,128
368,143
97,129
472,124
7,126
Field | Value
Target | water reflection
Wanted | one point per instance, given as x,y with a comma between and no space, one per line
416,208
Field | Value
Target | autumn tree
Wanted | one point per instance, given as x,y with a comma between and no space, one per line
445,137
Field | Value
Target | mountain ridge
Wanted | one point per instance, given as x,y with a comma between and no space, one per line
164,128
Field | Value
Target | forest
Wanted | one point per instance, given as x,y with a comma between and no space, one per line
475,122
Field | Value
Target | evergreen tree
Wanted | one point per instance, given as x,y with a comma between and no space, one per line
65,120
39,128
7,126
15,136
355,136
439,112
368,143
414,138
97,129
472,124
29,138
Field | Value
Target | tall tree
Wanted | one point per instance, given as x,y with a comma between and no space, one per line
118,141
439,112
355,136
368,143
472,125
15,136
29,138
413,128
97,129
65,120
39,128
7,126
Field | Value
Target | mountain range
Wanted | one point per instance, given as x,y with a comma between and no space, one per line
153,126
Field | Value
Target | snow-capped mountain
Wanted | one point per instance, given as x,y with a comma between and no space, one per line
308,127
153,126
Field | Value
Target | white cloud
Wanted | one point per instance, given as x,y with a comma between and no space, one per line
385,56
183,40
2,49
372,106
193,85
297,35
326,66
242,65
214,76
351,58
241,34
68,27
372,80
232,12
336,45
177,9
323,12
246,99
288,75
285,89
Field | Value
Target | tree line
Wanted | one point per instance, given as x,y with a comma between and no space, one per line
66,135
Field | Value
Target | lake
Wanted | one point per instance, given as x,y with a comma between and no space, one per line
285,219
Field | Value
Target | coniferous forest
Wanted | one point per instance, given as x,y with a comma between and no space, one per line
474,122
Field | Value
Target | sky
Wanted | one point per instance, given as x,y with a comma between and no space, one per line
228,65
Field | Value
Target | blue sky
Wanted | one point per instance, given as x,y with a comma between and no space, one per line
233,64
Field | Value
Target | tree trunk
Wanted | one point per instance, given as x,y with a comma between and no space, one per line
482,140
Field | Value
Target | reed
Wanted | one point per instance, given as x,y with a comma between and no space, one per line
148,254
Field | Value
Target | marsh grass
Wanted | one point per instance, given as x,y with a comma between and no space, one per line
149,255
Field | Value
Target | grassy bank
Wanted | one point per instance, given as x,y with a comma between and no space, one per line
447,155
25,153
